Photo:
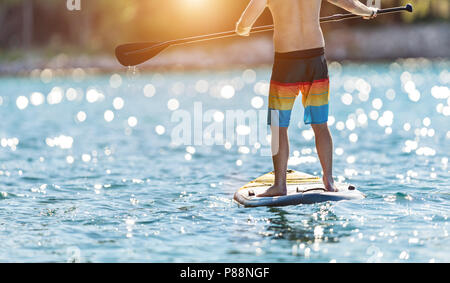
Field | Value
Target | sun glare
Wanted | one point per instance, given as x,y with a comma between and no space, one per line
192,3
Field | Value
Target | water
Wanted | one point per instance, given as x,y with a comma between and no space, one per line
79,183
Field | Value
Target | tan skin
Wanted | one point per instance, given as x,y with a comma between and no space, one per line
297,27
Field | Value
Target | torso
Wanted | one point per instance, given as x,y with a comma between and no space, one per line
297,25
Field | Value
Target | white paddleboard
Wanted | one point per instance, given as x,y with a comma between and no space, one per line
302,188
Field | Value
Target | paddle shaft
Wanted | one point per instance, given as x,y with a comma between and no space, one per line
333,18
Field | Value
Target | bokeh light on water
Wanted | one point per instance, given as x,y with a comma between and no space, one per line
87,161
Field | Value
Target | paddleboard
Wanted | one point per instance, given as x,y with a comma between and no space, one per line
302,188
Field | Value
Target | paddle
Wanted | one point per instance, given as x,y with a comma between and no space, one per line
132,54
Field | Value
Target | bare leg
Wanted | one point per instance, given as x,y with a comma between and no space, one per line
280,156
324,145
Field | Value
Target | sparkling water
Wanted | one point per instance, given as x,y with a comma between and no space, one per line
92,167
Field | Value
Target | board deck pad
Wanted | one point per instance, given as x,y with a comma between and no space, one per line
302,188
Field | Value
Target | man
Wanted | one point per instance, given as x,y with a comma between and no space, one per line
299,66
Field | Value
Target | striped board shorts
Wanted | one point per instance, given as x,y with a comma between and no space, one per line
302,71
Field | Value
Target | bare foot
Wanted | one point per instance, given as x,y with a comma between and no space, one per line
274,191
329,184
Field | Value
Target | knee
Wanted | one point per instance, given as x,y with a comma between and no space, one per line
279,131
319,128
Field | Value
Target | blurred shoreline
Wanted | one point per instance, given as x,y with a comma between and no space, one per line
357,44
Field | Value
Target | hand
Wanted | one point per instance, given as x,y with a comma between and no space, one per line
374,13
242,31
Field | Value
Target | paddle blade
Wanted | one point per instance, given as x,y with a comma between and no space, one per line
409,8
133,54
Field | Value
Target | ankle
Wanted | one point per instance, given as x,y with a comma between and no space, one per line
280,184
328,179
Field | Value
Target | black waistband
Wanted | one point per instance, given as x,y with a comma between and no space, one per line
301,54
